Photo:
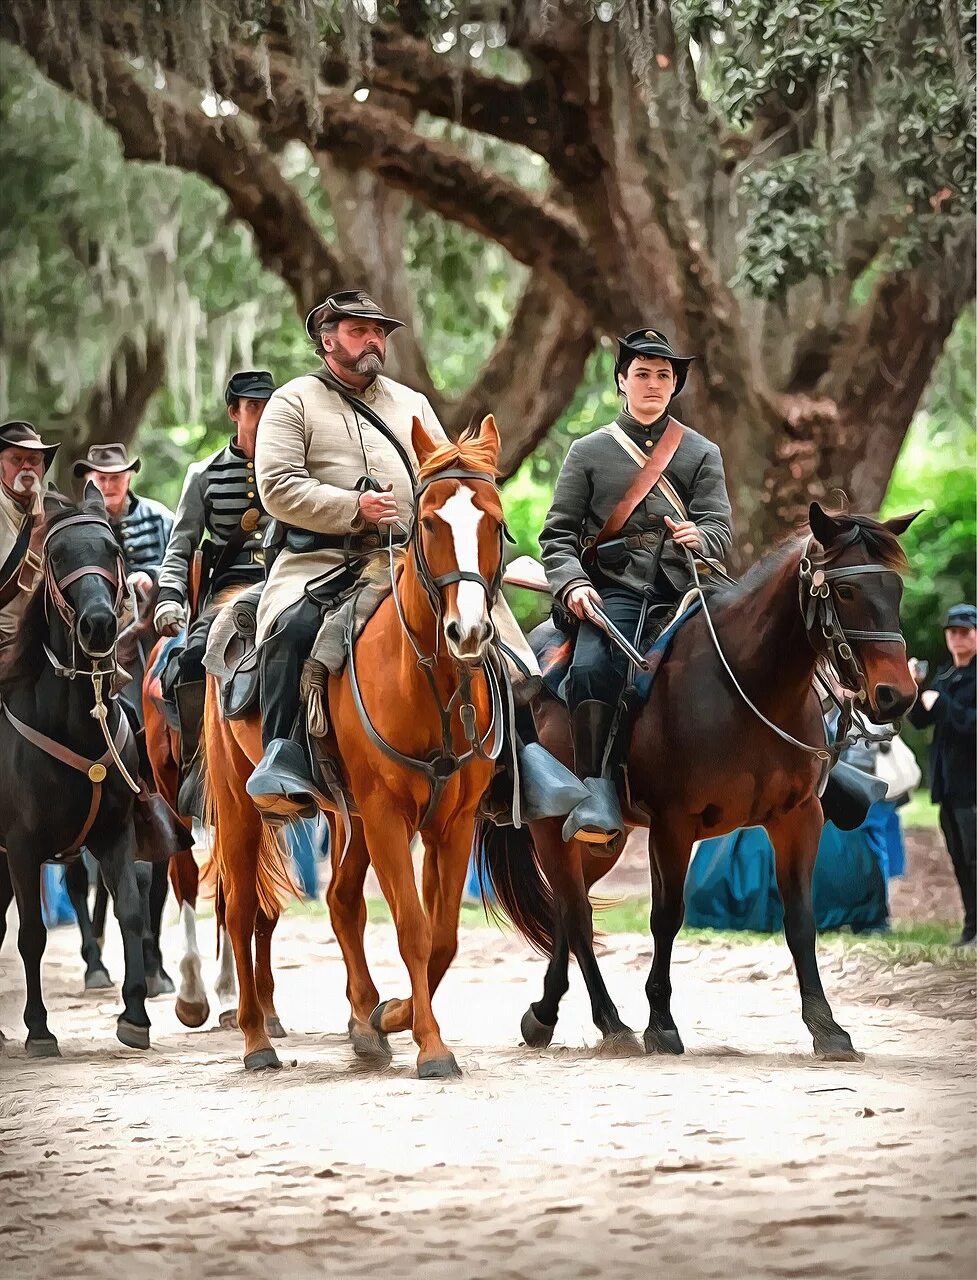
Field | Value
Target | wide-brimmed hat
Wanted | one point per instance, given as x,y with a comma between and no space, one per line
649,343
961,615
249,384
112,459
24,435
349,304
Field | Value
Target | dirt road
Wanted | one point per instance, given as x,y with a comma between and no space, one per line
746,1158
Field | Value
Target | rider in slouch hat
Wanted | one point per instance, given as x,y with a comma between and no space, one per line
631,563
24,462
335,466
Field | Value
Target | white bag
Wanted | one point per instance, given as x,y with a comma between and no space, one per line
898,769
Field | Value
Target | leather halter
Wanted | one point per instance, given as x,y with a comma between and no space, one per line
433,585
55,588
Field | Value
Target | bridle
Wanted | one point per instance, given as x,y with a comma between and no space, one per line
830,641
442,763
101,666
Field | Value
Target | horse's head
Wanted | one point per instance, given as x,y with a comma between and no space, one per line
458,534
852,600
84,576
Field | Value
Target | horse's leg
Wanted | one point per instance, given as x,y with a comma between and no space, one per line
157,901
225,988
150,952
539,1020
347,911
76,882
25,874
795,839
388,840
120,871
101,907
192,1005
6,896
263,975
669,850
563,867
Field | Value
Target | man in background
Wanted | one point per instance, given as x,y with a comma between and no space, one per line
950,706
24,461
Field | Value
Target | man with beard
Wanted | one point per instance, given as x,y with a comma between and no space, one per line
24,461
336,482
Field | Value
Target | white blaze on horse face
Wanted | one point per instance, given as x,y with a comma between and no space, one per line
462,516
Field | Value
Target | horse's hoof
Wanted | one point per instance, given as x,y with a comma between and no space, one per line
98,980
663,1040
837,1048
159,984
371,1046
42,1048
192,1015
536,1034
132,1037
620,1044
445,1068
376,1017
274,1028
262,1060
228,1020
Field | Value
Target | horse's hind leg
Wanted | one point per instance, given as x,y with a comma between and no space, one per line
6,896
563,867
795,840
31,941
192,1005
76,882
347,911
668,854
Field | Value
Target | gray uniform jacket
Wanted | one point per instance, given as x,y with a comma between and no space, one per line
595,476
216,493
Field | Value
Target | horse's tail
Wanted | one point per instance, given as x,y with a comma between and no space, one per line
511,879
224,760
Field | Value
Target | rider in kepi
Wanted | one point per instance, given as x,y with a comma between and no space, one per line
642,568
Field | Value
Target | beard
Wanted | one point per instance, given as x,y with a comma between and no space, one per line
369,364
25,481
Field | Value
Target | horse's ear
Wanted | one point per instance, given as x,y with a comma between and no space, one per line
899,524
92,497
424,446
489,436
824,527
53,503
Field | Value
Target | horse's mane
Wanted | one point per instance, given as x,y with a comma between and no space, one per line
881,543
23,661
468,451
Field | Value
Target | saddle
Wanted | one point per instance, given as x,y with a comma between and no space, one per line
232,655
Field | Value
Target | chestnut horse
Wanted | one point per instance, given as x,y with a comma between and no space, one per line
163,749
415,722
702,762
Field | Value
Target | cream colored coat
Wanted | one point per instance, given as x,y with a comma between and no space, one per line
11,518
312,448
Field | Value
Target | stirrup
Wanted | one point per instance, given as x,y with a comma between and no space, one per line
281,787
597,821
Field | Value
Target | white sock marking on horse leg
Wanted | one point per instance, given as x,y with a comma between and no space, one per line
226,988
192,990
462,517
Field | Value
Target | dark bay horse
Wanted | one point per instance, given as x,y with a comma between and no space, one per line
414,735
702,763
60,786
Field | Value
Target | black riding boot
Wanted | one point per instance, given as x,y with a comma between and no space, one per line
598,819
189,696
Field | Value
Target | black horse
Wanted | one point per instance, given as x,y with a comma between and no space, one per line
60,787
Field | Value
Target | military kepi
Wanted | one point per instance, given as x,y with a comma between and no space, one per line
349,304
649,343
108,458
961,615
23,435
251,384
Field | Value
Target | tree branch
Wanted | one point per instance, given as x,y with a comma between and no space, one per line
533,373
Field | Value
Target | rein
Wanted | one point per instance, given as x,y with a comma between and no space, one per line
442,764
833,649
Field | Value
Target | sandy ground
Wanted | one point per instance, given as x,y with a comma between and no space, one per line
746,1158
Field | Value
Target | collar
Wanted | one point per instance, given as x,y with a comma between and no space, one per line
642,432
236,449
367,393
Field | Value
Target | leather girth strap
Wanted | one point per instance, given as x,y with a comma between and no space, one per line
640,486
64,755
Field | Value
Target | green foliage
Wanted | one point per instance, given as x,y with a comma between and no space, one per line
936,471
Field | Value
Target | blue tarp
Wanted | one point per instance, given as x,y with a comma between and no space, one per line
732,884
